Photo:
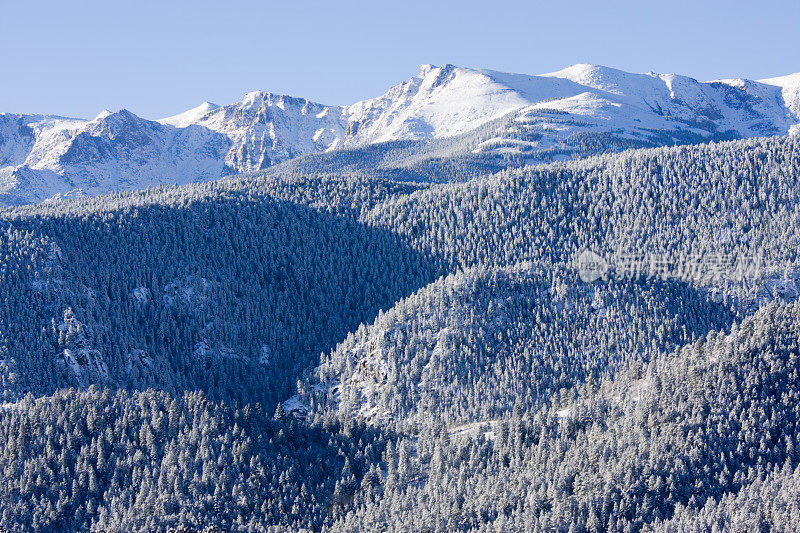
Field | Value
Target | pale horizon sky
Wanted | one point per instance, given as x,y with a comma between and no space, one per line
161,58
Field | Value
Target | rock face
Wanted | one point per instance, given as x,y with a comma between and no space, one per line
46,156
265,128
114,151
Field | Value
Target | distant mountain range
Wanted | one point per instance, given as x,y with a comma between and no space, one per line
523,118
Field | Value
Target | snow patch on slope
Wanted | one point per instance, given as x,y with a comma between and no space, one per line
191,116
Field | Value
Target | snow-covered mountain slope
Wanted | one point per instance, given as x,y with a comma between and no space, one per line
581,109
582,99
114,151
438,102
790,92
45,156
187,118
266,128
643,109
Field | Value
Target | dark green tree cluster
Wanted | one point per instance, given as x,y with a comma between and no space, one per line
147,461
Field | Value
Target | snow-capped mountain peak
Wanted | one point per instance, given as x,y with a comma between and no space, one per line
537,118
439,102
602,78
102,114
790,91
191,116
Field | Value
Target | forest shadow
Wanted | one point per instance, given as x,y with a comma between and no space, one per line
234,294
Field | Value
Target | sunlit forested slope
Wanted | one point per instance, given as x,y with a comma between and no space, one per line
714,421
471,346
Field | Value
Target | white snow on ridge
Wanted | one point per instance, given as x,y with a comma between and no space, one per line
113,151
265,129
191,116
439,102
790,91
43,156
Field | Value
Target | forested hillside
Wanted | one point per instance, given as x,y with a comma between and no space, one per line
735,199
713,421
298,349
472,345
148,461
232,292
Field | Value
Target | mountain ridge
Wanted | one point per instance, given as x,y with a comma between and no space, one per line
42,156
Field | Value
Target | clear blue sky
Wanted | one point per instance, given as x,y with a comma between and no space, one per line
159,58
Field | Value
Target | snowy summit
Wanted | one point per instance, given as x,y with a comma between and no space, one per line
517,115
